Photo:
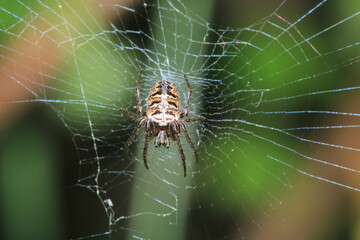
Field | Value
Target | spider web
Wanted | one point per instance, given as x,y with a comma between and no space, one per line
270,92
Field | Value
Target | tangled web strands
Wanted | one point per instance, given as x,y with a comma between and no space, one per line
270,94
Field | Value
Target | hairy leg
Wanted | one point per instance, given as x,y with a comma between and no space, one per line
139,107
140,123
147,129
183,127
176,131
130,114
186,112
194,120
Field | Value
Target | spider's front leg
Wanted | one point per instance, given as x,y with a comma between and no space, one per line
186,111
140,123
139,107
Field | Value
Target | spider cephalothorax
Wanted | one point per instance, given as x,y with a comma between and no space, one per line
162,117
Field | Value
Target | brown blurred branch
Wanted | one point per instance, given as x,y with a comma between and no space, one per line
31,56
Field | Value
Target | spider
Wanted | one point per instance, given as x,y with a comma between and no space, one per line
162,117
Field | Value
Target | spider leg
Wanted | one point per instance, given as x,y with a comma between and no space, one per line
139,107
194,120
186,112
147,128
176,131
130,114
140,123
183,127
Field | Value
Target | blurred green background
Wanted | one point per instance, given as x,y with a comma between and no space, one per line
39,162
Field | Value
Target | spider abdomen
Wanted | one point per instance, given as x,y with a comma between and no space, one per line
163,105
